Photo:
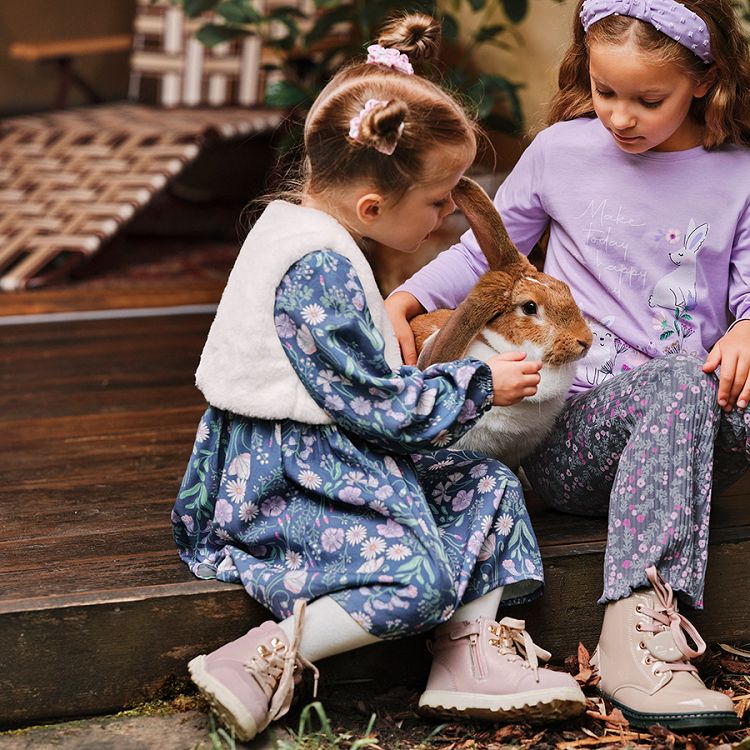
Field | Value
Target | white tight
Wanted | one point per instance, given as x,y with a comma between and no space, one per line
330,630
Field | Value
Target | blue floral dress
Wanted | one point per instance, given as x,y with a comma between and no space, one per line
373,510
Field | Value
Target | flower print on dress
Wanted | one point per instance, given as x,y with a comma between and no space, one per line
248,511
326,378
486,484
356,534
398,552
313,314
273,506
351,495
305,340
285,326
390,529
223,512
235,489
373,547
333,403
202,432
332,539
426,402
309,479
504,524
392,463
240,465
462,500
361,406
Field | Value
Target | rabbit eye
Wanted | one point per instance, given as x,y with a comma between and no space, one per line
529,308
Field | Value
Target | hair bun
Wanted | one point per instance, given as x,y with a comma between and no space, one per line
415,34
381,127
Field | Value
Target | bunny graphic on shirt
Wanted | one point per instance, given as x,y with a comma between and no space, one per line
599,361
677,288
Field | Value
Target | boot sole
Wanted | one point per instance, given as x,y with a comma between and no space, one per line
532,706
696,720
223,702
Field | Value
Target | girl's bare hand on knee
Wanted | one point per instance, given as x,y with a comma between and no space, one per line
513,377
732,353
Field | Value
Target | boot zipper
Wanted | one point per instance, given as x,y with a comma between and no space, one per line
476,661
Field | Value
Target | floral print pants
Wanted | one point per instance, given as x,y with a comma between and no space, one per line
647,448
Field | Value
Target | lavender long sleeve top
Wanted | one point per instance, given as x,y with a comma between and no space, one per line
655,246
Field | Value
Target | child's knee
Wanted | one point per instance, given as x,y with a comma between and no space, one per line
680,372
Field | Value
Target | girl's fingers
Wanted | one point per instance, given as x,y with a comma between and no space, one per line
728,368
405,338
532,367
408,350
712,360
744,398
741,383
529,390
511,356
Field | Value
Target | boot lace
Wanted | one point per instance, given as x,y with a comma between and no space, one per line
666,618
514,642
277,666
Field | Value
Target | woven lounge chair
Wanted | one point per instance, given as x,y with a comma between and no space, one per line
69,180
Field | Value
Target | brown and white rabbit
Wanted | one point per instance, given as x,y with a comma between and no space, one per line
513,307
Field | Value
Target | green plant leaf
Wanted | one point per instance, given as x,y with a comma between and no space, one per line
238,11
450,27
515,10
194,8
286,10
485,33
285,94
337,14
211,34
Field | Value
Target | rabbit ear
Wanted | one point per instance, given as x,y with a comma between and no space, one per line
695,239
488,228
468,319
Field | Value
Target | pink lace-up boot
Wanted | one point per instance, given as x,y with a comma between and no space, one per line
643,658
250,682
490,670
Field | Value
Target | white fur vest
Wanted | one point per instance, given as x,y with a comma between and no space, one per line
243,368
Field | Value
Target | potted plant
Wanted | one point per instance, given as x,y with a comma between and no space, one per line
312,46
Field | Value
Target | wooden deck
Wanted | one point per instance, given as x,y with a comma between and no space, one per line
97,418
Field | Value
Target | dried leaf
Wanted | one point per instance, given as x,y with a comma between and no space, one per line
594,741
743,705
507,732
735,667
736,651
668,737
613,720
586,673
533,741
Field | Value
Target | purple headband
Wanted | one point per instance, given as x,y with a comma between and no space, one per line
669,17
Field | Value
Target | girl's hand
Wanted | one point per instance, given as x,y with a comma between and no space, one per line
401,308
732,352
513,378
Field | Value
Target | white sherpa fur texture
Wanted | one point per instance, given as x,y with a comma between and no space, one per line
243,368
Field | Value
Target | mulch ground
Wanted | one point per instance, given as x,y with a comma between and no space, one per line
399,727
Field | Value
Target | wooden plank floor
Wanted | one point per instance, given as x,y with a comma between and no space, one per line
97,419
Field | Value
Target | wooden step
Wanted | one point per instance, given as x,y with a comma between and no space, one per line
97,612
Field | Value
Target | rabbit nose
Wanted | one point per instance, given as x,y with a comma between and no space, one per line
585,345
